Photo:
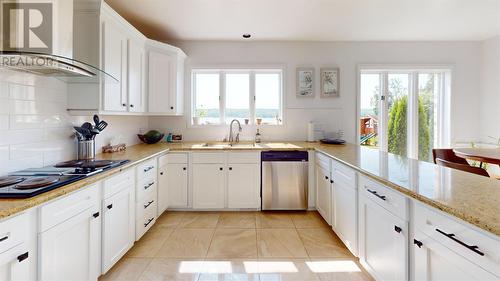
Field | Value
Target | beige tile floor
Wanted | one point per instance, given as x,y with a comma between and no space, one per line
238,246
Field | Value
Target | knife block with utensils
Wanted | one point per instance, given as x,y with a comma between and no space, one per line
86,149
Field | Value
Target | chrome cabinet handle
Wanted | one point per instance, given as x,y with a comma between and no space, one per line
376,194
475,249
22,257
148,204
149,221
149,185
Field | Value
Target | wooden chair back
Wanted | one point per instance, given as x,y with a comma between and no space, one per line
466,168
448,155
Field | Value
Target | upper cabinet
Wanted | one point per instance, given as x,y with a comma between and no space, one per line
165,79
149,74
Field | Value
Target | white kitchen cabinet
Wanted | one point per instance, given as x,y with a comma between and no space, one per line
243,182
114,62
15,264
383,237
71,249
345,206
435,262
323,193
208,186
118,227
176,180
165,79
136,76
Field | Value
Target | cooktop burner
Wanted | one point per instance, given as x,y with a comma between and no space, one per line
10,180
37,182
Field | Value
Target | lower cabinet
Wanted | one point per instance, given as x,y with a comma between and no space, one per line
208,186
345,206
15,264
173,186
433,261
71,250
118,233
383,247
323,193
243,186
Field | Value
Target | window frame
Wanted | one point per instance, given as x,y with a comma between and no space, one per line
443,122
222,71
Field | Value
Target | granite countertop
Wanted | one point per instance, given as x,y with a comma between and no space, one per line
469,197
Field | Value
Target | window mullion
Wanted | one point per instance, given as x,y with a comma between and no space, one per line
252,97
383,122
412,129
222,97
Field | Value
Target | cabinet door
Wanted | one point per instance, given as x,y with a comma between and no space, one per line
114,62
15,264
208,186
176,191
162,190
118,226
161,83
136,76
71,249
435,262
344,220
383,242
323,195
243,186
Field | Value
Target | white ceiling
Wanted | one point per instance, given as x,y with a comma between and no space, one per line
314,20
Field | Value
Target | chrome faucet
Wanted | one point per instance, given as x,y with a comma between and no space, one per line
231,136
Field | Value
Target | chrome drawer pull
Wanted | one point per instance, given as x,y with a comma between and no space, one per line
452,237
149,185
149,221
376,194
149,203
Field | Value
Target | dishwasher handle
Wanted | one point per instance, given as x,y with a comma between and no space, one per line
284,156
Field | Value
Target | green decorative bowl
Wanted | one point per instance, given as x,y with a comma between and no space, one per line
151,137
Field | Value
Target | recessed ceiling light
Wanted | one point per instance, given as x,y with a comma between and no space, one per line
247,35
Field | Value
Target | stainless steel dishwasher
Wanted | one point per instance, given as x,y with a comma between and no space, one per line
284,180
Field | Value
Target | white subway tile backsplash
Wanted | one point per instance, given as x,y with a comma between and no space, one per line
35,128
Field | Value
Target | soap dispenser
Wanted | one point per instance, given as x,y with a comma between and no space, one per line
258,137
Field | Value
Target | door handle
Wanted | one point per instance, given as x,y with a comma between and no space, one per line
418,243
110,206
96,215
161,173
22,257
398,229
376,194
221,169
4,238
149,203
475,249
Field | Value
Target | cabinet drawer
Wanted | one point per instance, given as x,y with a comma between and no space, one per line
145,188
343,173
143,208
172,158
243,157
385,197
457,236
13,231
146,221
60,210
323,161
146,170
116,183
208,158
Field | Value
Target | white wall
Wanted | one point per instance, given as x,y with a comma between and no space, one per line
35,129
336,113
490,90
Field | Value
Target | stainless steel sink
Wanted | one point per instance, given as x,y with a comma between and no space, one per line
225,145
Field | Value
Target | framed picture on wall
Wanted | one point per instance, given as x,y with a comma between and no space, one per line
305,82
329,82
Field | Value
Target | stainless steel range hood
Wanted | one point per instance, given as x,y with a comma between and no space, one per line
57,61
